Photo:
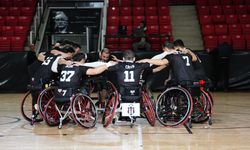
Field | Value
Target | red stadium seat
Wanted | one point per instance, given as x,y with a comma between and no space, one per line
239,42
113,3
151,11
219,19
125,11
203,10
30,3
244,18
205,19
152,30
1,31
126,3
21,30
18,3
163,11
126,20
126,40
234,29
150,3
162,2
138,11
124,47
113,11
231,19
248,42
238,2
210,43
24,21
138,3
245,28
138,19
213,2
4,43
112,47
228,10
27,11
166,29
112,40
113,21
241,9
2,21
17,43
154,40
208,30
224,38
215,10
226,2
112,30
6,3
14,11
152,20
129,30
4,11
7,30
201,2
11,21
164,20
221,29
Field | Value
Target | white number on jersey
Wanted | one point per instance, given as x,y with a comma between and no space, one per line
187,60
66,76
129,76
47,61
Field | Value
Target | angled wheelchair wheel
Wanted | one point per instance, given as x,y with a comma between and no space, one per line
112,103
28,111
174,107
51,115
148,109
200,108
44,98
83,111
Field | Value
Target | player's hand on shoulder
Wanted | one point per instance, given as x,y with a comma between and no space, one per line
142,61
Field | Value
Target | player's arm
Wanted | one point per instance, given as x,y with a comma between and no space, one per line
159,68
194,58
41,56
98,70
157,62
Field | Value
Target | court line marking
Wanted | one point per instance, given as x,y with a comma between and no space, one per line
140,140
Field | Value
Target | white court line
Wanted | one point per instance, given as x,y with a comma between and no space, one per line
140,141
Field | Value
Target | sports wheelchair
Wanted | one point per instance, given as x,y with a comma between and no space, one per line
28,106
180,104
128,108
68,104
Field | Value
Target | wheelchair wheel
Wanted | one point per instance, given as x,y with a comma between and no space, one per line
84,111
28,111
200,108
44,98
148,109
51,115
112,103
174,107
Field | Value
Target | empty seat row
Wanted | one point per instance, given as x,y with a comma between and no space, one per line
138,3
238,42
164,29
15,20
224,29
224,19
14,30
226,10
15,43
221,2
138,11
18,3
135,20
16,11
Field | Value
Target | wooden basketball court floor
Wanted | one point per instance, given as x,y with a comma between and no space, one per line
230,130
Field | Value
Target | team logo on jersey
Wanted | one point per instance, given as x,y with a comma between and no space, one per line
132,92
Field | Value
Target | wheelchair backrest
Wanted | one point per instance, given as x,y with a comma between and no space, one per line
63,95
130,94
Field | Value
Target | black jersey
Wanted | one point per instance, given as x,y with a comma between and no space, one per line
71,76
181,66
44,73
128,79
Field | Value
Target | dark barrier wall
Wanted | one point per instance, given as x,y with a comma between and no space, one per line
14,73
